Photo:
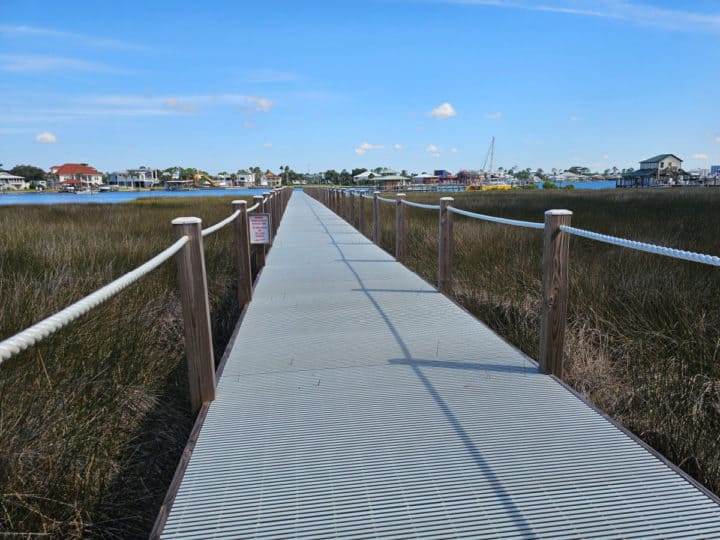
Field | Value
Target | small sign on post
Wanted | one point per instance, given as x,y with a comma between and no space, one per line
259,228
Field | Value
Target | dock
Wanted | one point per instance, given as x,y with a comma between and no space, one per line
359,402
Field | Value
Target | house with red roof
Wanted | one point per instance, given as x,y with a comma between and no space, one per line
71,174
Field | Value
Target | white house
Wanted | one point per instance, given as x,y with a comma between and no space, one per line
76,173
270,180
245,179
142,177
364,177
9,181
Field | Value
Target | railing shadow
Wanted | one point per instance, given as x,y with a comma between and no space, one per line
513,512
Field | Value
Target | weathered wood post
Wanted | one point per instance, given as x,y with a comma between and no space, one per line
361,228
242,253
196,312
267,208
400,228
376,218
259,249
352,208
556,248
445,250
275,210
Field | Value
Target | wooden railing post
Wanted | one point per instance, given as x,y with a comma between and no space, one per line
196,312
275,211
361,228
259,248
242,253
352,208
445,250
376,218
400,228
556,248
267,209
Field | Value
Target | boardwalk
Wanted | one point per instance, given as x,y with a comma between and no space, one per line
358,402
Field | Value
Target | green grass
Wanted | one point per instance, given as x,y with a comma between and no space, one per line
643,335
93,419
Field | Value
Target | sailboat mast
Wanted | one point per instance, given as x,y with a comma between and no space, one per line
492,154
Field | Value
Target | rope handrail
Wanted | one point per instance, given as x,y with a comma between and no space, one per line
383,199
504,221
420,205
366,197
39,331
643,246
221,224
253,207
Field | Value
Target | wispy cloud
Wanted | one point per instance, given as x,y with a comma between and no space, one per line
494,116
701,157
443,111
30,63
453,150
622,10
573,118
267,145
136,105
398,146
9,30
364,148
46,137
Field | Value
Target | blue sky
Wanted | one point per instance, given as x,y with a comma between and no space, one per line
410,84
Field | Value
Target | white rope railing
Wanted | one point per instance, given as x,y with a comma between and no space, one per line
366,197
254,207
420,205
642,246
504,221
221,224
383,199
39,331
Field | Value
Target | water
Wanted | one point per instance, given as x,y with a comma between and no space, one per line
114,197
595,184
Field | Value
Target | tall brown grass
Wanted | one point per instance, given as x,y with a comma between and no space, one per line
643,335
94,418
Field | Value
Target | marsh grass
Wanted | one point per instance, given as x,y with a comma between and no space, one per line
643,334
93,419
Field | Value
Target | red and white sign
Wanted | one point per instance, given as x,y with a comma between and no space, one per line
259,228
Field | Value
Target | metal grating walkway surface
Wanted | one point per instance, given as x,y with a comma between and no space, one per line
358,402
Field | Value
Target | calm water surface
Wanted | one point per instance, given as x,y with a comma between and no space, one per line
113,197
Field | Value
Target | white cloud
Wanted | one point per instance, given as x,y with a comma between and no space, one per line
703,157
606,157
247,124
366,147
81,39
494,116
621,10
454,150
436,155
30,63
267,145
46,137
443,111
398,146
717,139
573,118
431,149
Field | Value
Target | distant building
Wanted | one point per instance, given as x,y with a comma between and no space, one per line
134,178
425,178
245,180
71,174
390,181
715,171
664,169
364,177
9,181
270,180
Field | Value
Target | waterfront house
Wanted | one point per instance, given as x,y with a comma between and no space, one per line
660,170
71,174
134,178
270,180
364,177
9,181
245,180
425,178
390,181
